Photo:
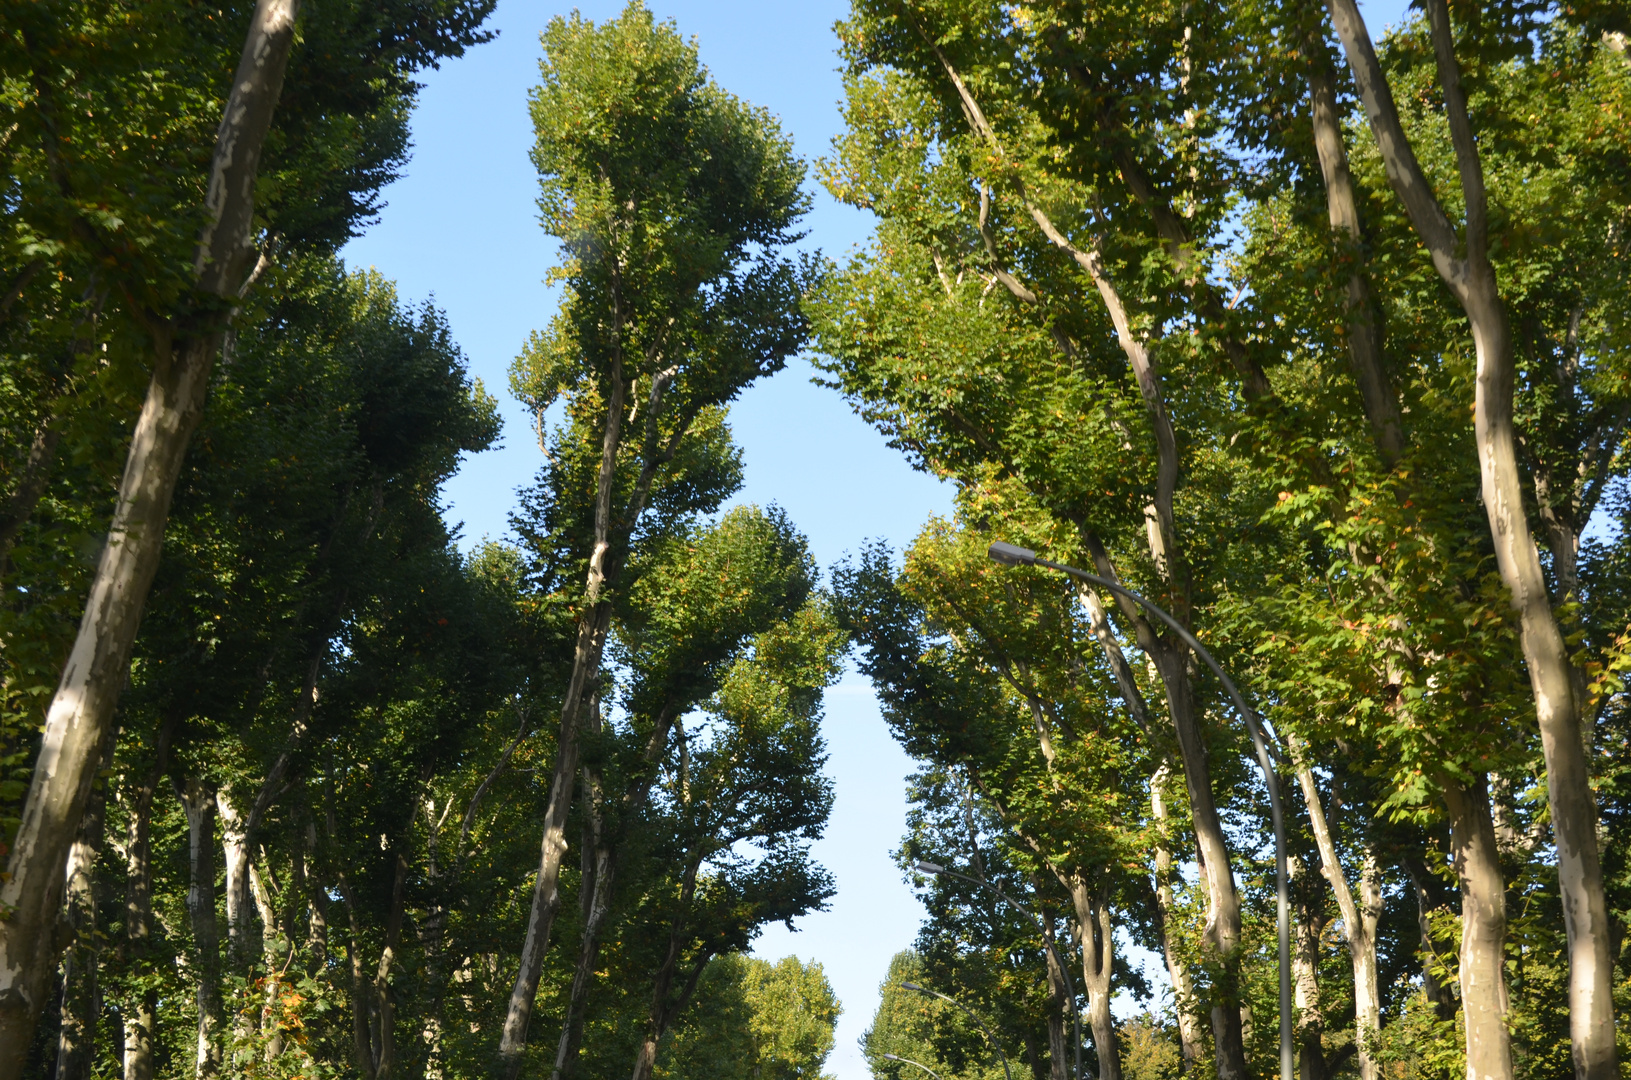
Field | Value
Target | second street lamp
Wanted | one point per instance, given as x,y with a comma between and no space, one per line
1070,984
909,1061
1013,555
972,1015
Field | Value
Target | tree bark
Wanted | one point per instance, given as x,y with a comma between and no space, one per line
235,857
1426,902
81,994
1098,943
1359,920
1483,931
1060,1056
362,1044
1364,320
1471,278
141,1010
591,643
1305,960
198,800
384,1003
1183,983
79,715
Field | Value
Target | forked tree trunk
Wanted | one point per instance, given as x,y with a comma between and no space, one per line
605,564
78,718
1098,943
1222,934
1483,931
600,850
1471,278
1364,321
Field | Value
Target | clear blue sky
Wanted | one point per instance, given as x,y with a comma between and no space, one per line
461,227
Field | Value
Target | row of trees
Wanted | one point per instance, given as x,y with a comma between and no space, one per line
286,822
1320,342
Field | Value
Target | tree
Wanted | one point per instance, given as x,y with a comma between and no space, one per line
672,200
182,279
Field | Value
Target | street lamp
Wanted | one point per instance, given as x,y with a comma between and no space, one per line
995,1045
1013,555
909,1061
1070,984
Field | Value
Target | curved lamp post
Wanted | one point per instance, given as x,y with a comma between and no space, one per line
972,1015
1012,555
1070,984
909,1061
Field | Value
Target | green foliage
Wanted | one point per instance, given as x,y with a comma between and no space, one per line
753,1019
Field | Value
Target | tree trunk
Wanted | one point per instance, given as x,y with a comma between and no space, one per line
1060,1030
142,1007
79,716
1483,931
1426,903
591,643
198,800
1472,279
81,994
362,1044
141,1010
1094,932
1359,919
1305,960
1183,983
600,870
384,1004
1221,935
1364,324
235,857
663,1011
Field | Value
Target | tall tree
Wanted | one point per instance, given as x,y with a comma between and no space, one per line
672,200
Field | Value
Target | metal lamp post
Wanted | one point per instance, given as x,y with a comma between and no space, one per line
1070,984
972,1015
1012,555
909,1061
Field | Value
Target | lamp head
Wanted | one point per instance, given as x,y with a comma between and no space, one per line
893,1057
1011,554
913,986
924,867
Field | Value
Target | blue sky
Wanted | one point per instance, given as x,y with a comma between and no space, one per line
461,228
